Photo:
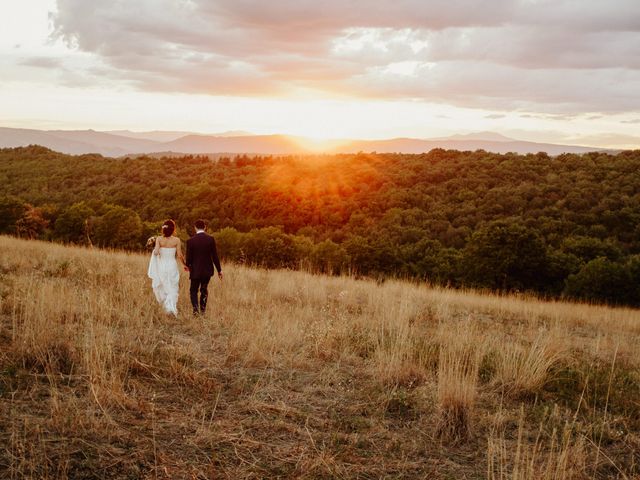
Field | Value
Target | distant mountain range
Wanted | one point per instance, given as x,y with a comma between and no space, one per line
124,142
168,136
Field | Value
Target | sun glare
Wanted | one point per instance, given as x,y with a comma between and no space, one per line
319,144
314,179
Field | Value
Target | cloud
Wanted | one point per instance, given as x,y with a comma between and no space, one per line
558,57
490,86
494,116
42,62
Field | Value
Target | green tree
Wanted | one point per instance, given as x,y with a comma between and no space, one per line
229,243
506,256
559,266
73,224
11,210
429,260
270,247
329,257
303,247
590,248
601,280
362,254
120,227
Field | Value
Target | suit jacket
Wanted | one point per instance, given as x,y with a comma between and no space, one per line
202,255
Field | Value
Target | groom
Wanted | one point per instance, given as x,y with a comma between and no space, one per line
202,255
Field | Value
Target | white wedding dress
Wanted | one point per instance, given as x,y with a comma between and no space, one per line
165,278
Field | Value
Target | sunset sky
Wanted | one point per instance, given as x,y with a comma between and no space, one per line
561,71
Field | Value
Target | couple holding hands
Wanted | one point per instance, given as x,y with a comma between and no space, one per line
202,256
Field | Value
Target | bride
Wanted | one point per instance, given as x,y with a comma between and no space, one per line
163,268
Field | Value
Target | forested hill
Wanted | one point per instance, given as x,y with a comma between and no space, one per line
565,225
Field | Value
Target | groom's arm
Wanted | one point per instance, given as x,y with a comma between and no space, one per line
214,255
189,258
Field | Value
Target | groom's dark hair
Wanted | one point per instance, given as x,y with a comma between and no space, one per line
200,224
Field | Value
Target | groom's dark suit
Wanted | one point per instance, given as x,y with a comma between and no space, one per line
202,255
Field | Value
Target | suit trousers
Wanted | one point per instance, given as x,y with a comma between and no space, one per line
201,284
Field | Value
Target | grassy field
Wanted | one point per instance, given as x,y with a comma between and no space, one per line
294,375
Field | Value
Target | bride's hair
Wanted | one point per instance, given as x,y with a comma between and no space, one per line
168,227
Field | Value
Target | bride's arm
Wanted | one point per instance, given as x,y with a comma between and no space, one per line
179,253
156,249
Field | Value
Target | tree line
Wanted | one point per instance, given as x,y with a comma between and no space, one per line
558,226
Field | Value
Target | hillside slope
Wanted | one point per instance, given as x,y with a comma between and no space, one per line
558,226
293,375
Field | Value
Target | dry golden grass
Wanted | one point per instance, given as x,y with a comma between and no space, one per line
294,375
523,370
554,455
458,366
